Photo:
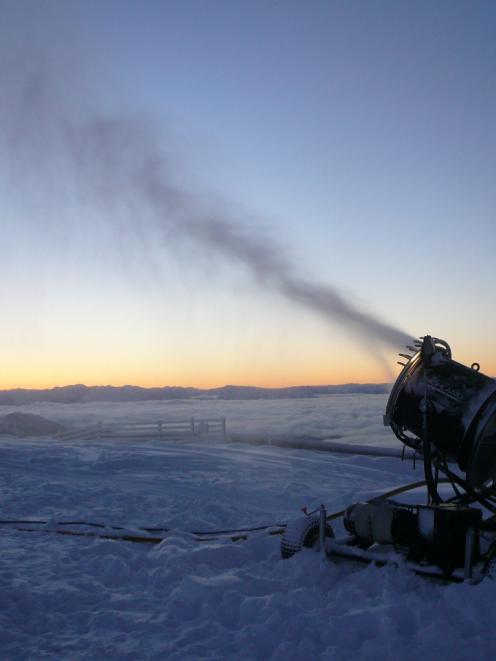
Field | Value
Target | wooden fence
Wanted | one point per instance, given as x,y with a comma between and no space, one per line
161,430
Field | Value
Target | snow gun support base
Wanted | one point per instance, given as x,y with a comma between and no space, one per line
446,413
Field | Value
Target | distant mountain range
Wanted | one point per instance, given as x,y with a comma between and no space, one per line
81,393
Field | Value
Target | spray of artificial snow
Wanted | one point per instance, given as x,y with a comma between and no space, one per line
117,162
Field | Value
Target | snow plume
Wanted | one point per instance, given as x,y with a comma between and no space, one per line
119,162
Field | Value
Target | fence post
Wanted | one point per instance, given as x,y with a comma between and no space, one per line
192,425
224,428
160,430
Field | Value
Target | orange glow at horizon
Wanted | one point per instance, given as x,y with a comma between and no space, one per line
311,367
284,351
263,371
278,381
141,342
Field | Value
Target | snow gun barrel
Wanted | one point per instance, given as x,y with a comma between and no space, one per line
446,410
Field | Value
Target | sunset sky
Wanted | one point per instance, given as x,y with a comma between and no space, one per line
354,141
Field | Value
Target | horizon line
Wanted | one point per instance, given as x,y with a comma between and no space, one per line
189,387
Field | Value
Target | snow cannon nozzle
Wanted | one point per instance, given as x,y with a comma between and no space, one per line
462,410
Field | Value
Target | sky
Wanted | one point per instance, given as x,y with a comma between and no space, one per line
265,193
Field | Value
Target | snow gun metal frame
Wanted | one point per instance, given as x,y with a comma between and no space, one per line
445,412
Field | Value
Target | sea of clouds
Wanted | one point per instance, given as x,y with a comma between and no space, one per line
352,418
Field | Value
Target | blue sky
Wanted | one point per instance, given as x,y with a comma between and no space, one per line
359,134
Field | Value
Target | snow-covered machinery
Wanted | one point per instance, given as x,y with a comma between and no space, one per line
445,412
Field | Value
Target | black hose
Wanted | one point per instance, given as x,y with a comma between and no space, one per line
150,530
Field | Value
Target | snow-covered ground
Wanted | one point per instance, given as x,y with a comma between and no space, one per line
77,598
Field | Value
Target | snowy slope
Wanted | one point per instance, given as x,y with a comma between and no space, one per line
85,598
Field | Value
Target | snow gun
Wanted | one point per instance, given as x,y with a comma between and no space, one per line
446,413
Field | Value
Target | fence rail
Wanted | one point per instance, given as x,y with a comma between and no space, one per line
161,430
